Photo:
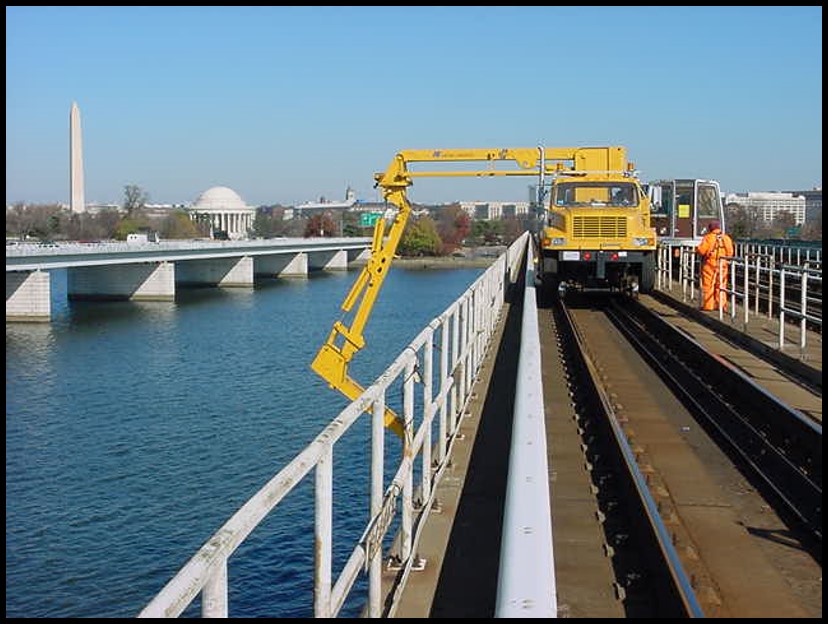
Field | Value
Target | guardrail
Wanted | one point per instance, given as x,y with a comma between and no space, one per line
461,335
526,583
791,253
757,282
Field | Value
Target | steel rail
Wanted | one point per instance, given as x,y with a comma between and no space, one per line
780,446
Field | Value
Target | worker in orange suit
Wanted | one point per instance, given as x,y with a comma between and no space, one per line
714,248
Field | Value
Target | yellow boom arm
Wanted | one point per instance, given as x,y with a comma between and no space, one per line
331,362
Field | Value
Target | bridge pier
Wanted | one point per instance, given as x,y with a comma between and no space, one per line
283,266
329,260
146,281
28,296
222,272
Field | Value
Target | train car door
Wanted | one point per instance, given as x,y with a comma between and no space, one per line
708,206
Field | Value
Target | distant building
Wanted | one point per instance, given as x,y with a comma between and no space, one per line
162,210
486,211
813,203
310,208
97,207
769,205
225,211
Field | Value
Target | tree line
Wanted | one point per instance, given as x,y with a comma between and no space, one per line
438,231
54,222
747,223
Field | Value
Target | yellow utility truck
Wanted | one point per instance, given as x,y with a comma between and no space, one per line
595,229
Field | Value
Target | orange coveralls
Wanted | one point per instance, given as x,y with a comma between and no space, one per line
714,245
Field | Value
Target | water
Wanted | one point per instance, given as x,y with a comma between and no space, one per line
135,430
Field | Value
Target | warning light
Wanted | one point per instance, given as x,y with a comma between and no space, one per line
614,256
587,255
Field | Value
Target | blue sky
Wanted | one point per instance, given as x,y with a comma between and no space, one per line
288,104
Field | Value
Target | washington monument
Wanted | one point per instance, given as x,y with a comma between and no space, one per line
75,161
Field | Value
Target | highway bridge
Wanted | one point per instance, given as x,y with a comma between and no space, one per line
591,456
152,271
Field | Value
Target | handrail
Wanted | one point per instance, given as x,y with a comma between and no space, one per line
761,276
464,329
526,583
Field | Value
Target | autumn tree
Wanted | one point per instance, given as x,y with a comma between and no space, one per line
453,227
320,225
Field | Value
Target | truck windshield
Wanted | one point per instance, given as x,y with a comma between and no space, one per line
595,194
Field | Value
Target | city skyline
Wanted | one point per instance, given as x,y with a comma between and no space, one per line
289,104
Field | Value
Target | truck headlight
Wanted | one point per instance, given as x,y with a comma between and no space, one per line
558,241
641,242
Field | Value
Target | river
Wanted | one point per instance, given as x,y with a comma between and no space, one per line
135,430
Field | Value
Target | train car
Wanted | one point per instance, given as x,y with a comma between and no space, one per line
681,209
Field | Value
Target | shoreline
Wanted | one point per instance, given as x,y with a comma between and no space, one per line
439,262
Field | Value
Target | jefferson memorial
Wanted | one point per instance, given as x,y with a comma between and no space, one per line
225,211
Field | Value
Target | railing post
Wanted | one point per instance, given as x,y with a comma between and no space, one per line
455,360
746,296
324,535
444,349
781,307
428,371
804,310
464,332
377,456
758,289
407,523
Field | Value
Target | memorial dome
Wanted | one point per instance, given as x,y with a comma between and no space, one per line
219,198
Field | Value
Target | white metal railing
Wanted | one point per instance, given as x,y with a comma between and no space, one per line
32,249
754,277
805,276
526,583
464,332
791,253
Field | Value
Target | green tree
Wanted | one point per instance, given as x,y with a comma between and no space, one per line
488,232
421,238
812,229
263,224
178,225
783,222
742,222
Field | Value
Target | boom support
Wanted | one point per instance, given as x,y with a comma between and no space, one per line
331,363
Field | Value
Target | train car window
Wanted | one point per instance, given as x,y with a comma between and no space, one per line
709,204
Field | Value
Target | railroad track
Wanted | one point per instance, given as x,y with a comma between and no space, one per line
707,489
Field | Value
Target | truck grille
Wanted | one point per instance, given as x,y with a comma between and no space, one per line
599,227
